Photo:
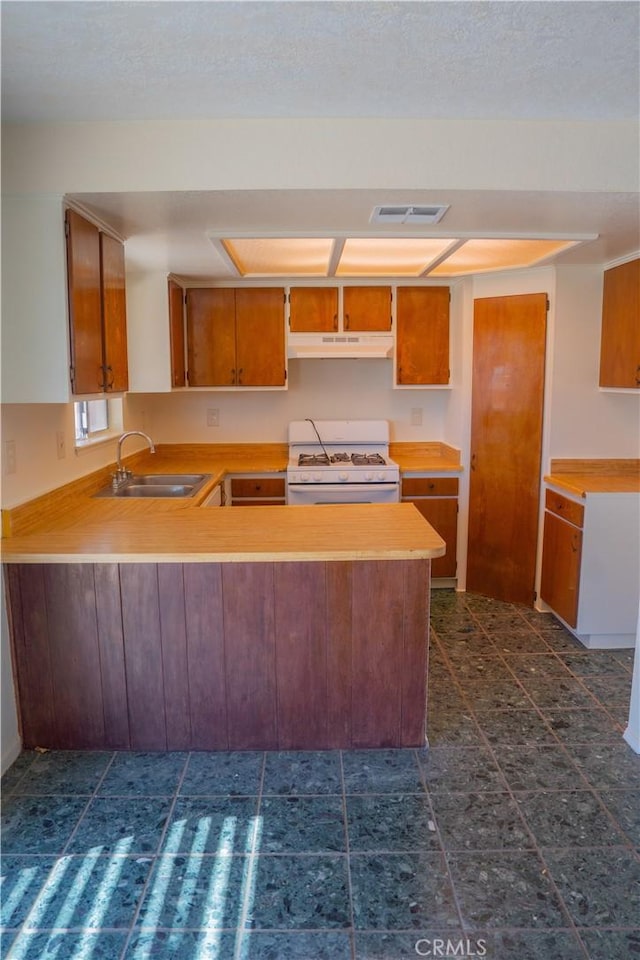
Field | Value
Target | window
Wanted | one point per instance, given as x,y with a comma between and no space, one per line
96,420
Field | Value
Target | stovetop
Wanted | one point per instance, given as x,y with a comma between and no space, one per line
355,459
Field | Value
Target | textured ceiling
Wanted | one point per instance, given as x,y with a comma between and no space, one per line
136,60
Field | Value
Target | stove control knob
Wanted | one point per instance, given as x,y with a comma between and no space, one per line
304,477
317,477
293,478
368,476
344,477
381,475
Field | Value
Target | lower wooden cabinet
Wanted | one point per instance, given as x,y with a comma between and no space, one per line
437,500
591,565
562,553
257,491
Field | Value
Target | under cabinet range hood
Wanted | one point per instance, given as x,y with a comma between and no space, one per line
345,346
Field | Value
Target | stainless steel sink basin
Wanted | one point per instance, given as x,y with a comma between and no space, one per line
163,485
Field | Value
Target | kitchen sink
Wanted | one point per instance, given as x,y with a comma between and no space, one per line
150,485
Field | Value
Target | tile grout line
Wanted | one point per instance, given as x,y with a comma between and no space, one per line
242,932
345,820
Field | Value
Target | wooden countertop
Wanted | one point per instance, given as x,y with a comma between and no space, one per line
395,531
70,525
433,457
583,477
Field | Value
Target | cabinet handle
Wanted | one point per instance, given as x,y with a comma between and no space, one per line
240,376
335,321
346,321
574,544
473,461
110,382
638,375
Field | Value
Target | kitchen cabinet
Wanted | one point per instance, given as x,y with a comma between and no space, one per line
590,565
366,309
437,500
257,491
176,334
422,336
236,337
97,308
620,335
313,309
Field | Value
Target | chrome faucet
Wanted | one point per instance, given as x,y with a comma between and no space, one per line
121,472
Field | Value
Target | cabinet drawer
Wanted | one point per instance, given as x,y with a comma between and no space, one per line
563,507
430,487
257,487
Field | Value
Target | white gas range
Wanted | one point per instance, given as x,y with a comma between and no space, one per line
341,461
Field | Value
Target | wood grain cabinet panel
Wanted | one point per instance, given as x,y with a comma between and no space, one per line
209,656
620,336
313,309
366,309
176,335
561,557
235,337
437,500
564,507
97,308
422,336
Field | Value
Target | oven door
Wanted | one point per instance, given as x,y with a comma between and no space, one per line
299,493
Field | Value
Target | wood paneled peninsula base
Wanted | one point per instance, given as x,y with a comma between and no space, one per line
220,656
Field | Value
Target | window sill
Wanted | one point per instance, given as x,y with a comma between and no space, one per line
85,446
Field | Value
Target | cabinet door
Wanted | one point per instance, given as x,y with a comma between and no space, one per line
260,336
561,556
176,332
620,340
422,345
313,309
114,314
85,320
367,308
442,514
211,337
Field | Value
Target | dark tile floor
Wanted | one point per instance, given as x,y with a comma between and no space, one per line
514,836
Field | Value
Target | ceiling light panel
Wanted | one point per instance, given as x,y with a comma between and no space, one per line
382,257
480,256
275,256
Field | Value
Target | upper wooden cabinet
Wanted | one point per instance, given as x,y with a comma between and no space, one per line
97,308
366,309
313,309
422,336
620,340
235,337
176,333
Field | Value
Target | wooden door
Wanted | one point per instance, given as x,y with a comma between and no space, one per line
85,321
506,444
211,337
260,342
176,331
620,341
561,558
422,341
313,309
114,314
367,308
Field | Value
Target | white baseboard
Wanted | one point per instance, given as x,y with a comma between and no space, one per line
633,739
9,755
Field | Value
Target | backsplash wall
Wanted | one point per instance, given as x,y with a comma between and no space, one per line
321,389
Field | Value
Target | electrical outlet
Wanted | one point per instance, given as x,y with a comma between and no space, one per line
9,456
416,416
213,417
61,445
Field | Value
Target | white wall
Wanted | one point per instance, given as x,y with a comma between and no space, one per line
585,420
33,428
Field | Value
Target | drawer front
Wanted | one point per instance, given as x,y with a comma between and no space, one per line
257,487
563,507
430,487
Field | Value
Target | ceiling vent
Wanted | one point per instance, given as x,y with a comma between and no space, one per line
409,213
